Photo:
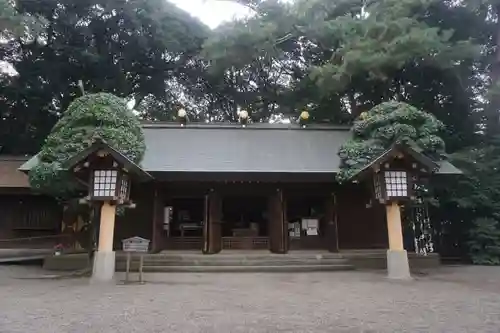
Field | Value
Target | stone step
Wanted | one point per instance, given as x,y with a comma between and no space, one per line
228,269
223,256
226,258
236,262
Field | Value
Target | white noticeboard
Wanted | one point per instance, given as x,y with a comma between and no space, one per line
312,232
305,223
310,226
313,223
167,218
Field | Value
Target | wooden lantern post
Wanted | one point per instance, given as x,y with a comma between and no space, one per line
393,175
393,185
398,266
107,174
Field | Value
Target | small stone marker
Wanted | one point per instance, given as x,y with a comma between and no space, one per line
137,245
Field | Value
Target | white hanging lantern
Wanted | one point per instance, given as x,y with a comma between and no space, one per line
243,115
182,116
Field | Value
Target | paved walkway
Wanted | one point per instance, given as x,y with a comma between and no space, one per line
461,299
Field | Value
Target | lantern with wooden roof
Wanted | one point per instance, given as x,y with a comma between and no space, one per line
107,172
395,172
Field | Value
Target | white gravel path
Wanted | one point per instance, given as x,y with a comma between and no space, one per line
465,299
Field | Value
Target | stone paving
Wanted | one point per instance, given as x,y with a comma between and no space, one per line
452,299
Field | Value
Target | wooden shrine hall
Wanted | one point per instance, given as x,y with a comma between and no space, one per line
218,187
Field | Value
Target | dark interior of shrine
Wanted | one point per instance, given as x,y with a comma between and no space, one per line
244,216
187,217
300,207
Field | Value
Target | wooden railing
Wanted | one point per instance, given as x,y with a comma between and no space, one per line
228,243
184,243
245,243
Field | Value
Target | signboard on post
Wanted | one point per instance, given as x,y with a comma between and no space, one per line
135,245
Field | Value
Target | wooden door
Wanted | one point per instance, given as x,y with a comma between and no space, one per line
212,231
277,229
331,235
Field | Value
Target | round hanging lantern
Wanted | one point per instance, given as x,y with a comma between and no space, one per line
304,118
182,116
243,115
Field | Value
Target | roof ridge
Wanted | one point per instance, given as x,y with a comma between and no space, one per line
252,126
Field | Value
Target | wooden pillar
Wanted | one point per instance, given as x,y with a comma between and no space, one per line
397,258
286,237
394,228
158,218
104,260
278,231
107,227
332,242
206,225
212,231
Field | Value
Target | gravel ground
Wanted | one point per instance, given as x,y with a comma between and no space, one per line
459,299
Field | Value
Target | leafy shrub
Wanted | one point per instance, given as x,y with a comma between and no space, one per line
385,124
88,117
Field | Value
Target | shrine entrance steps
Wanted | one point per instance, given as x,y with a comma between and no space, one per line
240,261
249,261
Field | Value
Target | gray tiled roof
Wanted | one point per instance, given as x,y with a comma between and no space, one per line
256,148
10,176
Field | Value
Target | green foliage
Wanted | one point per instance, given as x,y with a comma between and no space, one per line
15,25
388,123
340,58
133,48
484,242
387,36
478,190
87,118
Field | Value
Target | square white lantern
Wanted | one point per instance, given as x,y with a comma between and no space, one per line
105,183
396,184
107,173
109,185
392,185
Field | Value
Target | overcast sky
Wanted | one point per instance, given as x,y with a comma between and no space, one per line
212,12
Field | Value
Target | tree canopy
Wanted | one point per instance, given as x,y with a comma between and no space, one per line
134,49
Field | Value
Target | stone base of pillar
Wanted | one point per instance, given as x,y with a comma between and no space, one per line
398,267
104,267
